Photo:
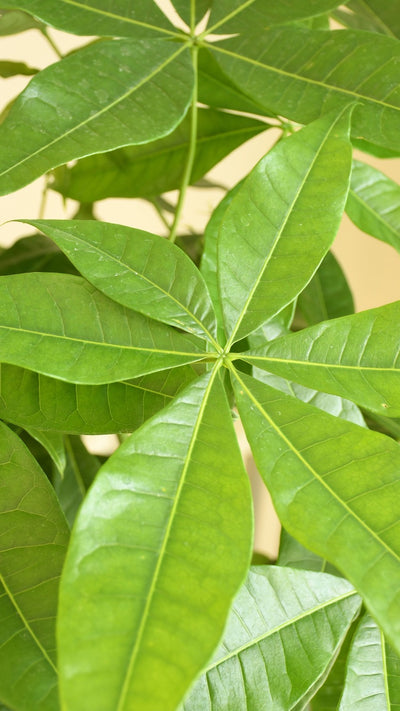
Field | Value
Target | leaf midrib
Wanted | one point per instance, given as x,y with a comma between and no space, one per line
149,600
314,473
95,116
316,364
279,234
276,630
308,80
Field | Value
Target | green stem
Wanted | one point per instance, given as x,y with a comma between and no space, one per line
51,42
192,149
161,214
192,16
43,200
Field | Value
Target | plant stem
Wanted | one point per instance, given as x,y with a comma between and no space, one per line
192,16
43,200
192,149
51,42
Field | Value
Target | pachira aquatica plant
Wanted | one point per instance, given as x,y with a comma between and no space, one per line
126,582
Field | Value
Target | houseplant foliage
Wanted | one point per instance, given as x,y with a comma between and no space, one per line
138,594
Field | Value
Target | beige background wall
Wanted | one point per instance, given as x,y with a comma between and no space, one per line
373,268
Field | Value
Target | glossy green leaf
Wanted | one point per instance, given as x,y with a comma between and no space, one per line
53,443
230,16
12,69
355,357
327,295
166,508
335,487
108,343
371,15
34,537
30,400
35,253
373,204
77,106
328,696
271,656
125,18
217,89
142,271
80,471
13,21
157,167
373,672
312,72
282,222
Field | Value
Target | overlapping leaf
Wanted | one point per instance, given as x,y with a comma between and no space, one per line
356,357
160,546
34,538
81,468
125,18
216,89
137,269
313,464
35,253
269,658
373,672
157,167
200,8
30,400
371,15
373,204
92,101
53,443
311,72
230,16
327,295
13,21
39,330
282,222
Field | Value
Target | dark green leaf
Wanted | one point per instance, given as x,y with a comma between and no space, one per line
281,223
311,72
81,468
293,554
76,107
230,16
33,537
157,167
34,254
108,343
53,443
371,15
12,69
373,204
271,656
139,270
355,357
169,509
373,672
312,464
96,17
13,21
328,696
30,400
327,295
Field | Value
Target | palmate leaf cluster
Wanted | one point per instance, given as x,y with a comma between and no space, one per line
139,594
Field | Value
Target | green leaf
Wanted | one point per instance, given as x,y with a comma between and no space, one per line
293,554
124,18
80,471
373,204
30,400
184,9
282,222
218,90
13,21
168,509
157,167
312,464
374,150
12,69
328,696
35,253
355,357
373,672
108,343
94,100
327,295
271,656
142,271
53,443
312,72
252,15
34,538
371,15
